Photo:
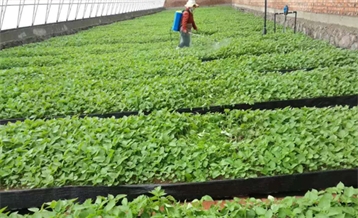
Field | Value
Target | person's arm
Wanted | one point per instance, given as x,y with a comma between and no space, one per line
185,21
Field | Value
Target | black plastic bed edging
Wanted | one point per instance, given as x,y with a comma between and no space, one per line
278,186
283,71
319,102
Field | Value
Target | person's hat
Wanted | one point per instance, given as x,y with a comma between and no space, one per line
191,3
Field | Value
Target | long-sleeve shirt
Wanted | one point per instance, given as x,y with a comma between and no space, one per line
188,21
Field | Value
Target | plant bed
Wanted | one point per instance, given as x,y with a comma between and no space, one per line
351,101
101,70
166,146
339,201
286,185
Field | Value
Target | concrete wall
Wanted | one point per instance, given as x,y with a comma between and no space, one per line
14,37
181,3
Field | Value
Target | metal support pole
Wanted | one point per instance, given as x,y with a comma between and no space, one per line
69,9
295,29
126,8
265,29
19,15
59,10
91,10
34,13
274,24
116,11
98,6
114,4
104,6
48,9
3,12
85,10
78,9
109,7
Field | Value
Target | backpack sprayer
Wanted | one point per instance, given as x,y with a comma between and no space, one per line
176,23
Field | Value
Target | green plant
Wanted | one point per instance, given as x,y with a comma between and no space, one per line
337,201
102,70
173,147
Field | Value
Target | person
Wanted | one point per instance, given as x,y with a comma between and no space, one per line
187,23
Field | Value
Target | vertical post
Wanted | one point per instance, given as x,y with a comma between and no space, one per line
104,6
124,7
114,4
91,10
48,9
3,12
69,9
98,6
117,6
85,10
61,3
274,23
34,12
78,8
295,21
21,9
265,29
109,6
119,9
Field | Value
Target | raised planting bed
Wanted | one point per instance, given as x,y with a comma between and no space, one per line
77,96
336,201
165,146
309,141
349,100
102,70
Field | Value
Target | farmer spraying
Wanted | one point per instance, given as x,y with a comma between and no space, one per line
187,23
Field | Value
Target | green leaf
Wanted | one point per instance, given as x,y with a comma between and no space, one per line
110,205
33,209
325,202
